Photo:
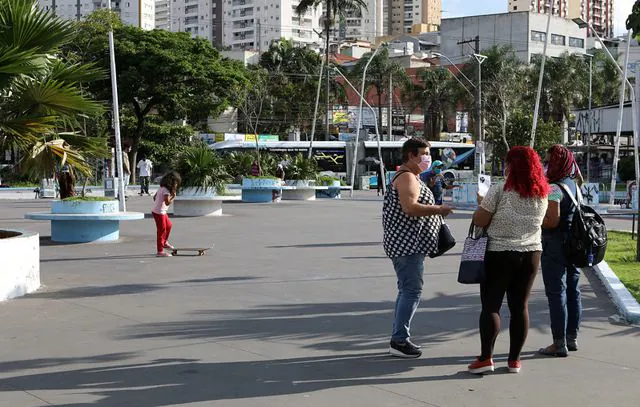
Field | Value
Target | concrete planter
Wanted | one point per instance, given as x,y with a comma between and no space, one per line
194,202
259,190
84,207
298,182
20,254
84,221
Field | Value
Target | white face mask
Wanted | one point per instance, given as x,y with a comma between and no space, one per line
425,163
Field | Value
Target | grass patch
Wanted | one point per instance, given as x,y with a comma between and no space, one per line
621,257
87,199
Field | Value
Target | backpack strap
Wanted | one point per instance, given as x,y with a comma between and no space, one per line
577,199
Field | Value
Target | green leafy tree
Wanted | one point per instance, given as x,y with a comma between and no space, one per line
518,133
171,74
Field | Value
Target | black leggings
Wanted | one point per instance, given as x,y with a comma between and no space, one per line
512,273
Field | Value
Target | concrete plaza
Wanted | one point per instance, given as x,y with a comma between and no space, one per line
292,307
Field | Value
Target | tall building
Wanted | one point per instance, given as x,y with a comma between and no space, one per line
365,24
524,31
403,15
597,12
139,13
197,17
255,24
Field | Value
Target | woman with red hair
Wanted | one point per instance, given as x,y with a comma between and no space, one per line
561,279
513,215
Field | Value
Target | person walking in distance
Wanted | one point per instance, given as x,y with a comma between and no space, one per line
126,168
512,213
145,169
411,222
561,279
162,199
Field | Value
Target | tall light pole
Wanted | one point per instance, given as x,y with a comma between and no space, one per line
116,118
616,150
315,111
362,96
589,114
536,109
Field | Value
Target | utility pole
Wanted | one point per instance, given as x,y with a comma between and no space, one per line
479,136
78,8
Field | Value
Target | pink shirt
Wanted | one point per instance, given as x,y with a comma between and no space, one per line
159,206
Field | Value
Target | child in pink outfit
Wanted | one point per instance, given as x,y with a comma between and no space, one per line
161,201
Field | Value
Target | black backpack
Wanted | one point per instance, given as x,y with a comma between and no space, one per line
587,241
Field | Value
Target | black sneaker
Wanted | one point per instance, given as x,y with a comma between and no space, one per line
404,349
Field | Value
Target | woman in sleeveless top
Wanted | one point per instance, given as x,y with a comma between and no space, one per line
513,215
411,223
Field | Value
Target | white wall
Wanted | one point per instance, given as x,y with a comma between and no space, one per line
20,265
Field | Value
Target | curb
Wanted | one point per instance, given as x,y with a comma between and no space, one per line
622,298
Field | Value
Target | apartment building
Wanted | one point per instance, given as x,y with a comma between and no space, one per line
198,17
403,15
255,24
597,12
139,13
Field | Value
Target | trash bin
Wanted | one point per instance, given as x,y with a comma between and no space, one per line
111,187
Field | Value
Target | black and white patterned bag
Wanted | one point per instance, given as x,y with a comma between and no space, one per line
471,269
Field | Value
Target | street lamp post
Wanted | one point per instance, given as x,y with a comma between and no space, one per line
355,151
589,114
116,119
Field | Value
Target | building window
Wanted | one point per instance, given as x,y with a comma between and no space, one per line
515,8
576,42
538,36
558,39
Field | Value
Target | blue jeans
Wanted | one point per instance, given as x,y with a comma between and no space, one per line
561,283
409,270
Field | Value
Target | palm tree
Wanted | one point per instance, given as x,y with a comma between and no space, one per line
435,94
42,100
381,70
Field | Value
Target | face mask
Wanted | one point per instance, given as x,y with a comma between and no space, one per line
545,168
437,171
425,163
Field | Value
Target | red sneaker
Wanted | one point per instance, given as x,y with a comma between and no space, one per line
514,366
480,367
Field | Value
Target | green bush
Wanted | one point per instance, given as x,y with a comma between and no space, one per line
202,168
301,168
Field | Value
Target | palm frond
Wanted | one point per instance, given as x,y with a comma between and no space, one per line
47,155
52,97
23,24
75,73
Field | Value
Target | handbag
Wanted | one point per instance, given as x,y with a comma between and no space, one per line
471,269
446,241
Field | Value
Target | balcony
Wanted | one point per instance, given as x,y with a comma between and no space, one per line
238,3
191,9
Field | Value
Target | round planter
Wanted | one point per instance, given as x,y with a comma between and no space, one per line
84,207
20,254
195,191
297,182
257,183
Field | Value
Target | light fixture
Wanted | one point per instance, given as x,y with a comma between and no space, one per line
580,22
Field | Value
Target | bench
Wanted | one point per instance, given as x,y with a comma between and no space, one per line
83,227
333,191
201,205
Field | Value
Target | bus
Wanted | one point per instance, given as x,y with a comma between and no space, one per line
332,155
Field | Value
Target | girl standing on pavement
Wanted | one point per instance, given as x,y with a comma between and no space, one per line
162,199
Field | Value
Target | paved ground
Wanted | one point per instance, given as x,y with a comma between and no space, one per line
292,308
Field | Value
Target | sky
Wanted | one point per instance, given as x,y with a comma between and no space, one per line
459,8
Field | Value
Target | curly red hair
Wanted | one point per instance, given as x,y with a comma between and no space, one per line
526,175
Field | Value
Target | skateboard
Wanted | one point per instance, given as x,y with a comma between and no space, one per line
201,250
